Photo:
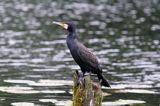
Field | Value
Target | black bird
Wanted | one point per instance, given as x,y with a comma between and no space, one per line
83,57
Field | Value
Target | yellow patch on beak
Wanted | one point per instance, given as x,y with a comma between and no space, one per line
62,24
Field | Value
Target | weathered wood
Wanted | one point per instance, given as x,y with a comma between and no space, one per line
85,92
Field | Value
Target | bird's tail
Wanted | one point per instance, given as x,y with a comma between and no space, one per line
103,81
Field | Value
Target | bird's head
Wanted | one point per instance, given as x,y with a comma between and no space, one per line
70,26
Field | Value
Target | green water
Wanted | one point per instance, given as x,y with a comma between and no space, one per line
35,64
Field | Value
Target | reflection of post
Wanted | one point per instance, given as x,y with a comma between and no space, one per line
85,93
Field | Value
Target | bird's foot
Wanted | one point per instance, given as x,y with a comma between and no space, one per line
79,78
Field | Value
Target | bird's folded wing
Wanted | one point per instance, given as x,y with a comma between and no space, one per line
87,56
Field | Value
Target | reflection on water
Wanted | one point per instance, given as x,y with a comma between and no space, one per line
36,66
22,104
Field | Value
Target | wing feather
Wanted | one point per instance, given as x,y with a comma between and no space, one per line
87,56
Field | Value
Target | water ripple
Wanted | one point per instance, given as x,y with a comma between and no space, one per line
35,59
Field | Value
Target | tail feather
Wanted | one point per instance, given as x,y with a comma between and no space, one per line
103,81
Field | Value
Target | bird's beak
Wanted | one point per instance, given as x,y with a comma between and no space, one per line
62,24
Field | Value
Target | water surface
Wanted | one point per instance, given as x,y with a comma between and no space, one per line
36,67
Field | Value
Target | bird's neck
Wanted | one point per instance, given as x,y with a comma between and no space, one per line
72,35
71,40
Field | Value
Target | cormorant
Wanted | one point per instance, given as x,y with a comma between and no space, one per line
83,57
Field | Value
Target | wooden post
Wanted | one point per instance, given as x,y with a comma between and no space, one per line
85,93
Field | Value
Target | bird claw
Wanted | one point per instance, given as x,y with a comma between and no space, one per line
80,78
